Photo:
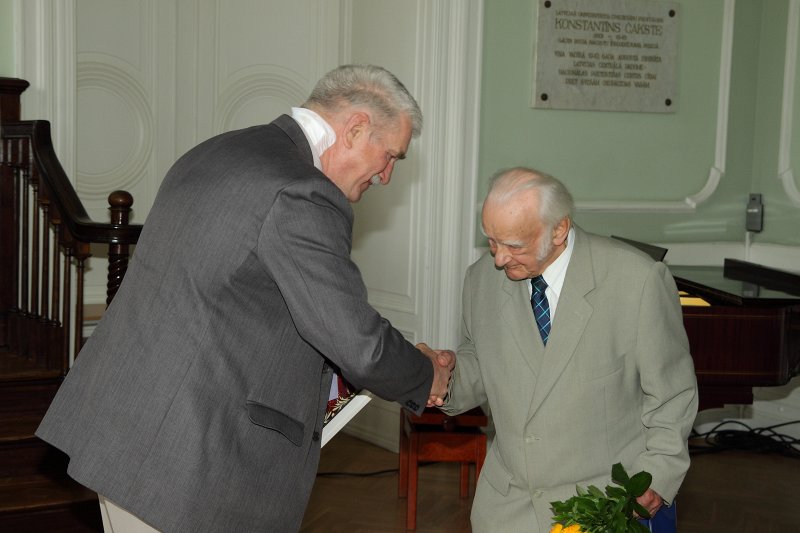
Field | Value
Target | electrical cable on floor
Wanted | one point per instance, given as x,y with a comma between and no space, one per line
719,439
760,440
368,474
357,474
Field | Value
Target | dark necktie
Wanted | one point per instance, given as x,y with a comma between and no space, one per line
541,307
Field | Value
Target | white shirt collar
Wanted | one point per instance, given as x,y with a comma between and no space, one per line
319,133
554,274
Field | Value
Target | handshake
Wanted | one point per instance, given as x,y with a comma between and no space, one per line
443,361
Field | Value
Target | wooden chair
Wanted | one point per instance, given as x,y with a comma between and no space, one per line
435,436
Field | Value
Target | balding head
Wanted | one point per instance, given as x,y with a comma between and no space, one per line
526,217
553,200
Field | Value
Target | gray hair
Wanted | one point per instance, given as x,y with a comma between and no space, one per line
555,201
368,86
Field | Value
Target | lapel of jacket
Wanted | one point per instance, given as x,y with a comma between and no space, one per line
572,315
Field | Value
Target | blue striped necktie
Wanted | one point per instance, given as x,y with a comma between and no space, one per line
541,307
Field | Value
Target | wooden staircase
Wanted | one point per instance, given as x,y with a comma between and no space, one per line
45,237
36,494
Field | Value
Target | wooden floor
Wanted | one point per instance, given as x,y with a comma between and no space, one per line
724,492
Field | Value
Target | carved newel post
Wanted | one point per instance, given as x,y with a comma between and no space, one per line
120,203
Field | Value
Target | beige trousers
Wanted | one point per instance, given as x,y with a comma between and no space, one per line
118,520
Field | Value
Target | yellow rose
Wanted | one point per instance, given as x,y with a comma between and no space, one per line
558,528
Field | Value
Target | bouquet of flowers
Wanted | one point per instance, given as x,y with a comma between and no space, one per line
615,511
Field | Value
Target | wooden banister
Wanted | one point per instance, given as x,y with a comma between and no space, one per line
10,91
36,143
45,240
45,232
118,252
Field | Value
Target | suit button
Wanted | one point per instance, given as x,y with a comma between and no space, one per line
537,494
315,436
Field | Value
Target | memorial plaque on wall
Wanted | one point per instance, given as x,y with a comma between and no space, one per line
606,55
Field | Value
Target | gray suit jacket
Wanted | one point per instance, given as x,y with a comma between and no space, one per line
615,383
198,402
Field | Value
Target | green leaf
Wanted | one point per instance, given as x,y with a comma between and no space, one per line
619,508
594,491
634,526
584,504
560,507
616,492
609,512
638,484
619,474
641,511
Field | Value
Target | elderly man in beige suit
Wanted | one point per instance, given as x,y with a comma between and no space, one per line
586,370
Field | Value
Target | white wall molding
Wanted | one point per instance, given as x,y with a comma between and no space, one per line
449,61
345,31
785,172
329,31
378,423
714,253
717,169
447,86
45,57
401,303
124,88
771,406
261,81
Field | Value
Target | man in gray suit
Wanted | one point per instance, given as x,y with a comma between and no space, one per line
198,402
585,370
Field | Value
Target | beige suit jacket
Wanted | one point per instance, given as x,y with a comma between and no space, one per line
615,383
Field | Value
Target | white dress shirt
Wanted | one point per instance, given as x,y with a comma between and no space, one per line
319,133
554,275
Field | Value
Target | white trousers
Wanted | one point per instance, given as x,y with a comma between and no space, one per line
118,520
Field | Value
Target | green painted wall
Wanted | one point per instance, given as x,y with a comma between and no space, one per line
7,38
627,157
782,214
632,157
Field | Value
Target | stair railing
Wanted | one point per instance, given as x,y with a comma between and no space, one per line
45,232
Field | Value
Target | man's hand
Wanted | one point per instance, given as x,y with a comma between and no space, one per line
651,501
443,361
